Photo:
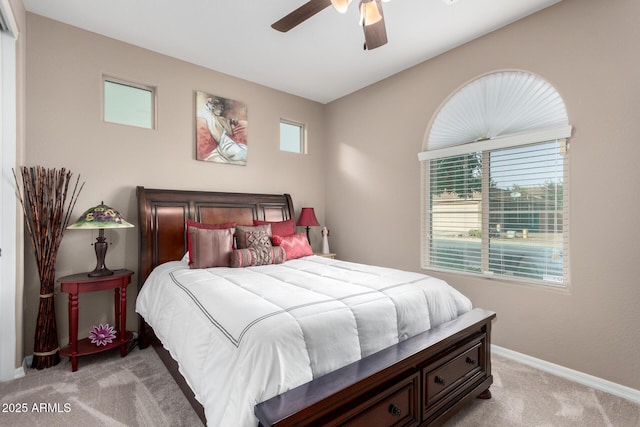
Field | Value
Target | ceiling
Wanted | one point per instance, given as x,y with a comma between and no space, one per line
322,59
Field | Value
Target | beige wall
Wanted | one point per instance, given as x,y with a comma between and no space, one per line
369,170
588,50
64,129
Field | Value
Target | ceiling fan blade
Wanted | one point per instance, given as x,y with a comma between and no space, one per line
300,15
375,35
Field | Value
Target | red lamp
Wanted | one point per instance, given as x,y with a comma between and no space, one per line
307,219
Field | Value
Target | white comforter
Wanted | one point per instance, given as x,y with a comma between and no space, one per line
244,335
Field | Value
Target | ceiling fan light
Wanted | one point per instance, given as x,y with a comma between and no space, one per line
369,12
341,5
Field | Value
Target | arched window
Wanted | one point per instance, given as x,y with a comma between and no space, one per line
495,187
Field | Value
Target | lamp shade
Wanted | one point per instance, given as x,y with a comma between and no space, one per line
341,5
101,216
307,218
369,12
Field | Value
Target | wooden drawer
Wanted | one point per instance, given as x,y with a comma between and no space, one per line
440,379
398,405
362,393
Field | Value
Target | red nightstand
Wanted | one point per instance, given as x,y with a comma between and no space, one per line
79,283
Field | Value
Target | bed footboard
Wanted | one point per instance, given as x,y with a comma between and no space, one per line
421,381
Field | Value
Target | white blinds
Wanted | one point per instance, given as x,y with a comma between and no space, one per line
526,213
560,132
499,212
495,181
497,104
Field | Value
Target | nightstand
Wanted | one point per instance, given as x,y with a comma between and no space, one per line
82,282
332,256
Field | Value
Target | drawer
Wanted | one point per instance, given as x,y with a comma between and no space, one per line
463,364
397,405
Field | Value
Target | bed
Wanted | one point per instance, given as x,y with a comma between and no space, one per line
309,341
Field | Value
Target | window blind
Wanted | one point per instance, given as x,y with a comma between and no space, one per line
495,181
499,212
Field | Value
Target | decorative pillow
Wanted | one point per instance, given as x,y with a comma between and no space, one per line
249,256
257,239
260,242
191,223
281,228
295,246
242,230
210,247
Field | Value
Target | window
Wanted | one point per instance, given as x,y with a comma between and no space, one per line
129,103
292,137
498,206
509,223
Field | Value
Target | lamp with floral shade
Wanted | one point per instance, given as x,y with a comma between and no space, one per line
100,217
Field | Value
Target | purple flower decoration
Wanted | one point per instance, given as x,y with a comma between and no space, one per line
102,334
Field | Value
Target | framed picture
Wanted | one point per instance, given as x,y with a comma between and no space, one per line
221,129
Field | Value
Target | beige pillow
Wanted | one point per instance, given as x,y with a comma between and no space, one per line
242,230
210,248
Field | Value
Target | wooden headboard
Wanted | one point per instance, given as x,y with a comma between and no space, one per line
162,215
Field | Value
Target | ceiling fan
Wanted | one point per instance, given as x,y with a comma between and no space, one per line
371,18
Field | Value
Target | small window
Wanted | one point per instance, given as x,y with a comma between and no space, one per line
129,103
292,137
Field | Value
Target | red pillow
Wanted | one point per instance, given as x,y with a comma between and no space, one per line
295,246
281,228
195,224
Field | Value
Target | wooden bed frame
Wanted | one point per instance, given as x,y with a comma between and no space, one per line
421,381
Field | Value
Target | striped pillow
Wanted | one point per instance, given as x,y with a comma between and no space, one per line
251,256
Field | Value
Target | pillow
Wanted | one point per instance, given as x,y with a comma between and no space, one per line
251,256
258,239
242,230
260,242
210,247
191,223
295,246
281,228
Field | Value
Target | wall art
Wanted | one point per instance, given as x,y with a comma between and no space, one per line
221,129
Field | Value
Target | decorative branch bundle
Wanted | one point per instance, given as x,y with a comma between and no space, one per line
46,213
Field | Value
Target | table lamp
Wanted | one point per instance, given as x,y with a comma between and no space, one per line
307,219
100,217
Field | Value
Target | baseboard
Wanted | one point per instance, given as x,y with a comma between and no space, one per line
26,362
22,370
570,374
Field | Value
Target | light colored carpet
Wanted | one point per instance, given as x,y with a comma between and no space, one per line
524,396
106,390
138,391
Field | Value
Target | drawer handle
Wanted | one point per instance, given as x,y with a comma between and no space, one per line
439,380
394,410
471,361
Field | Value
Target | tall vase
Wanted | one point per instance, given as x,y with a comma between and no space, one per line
46,209
46,351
